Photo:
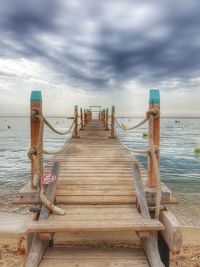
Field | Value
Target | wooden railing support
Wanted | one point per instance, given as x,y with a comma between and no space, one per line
103,117
85,117
75,132
35,103
106,120
154,103
82,120
112,131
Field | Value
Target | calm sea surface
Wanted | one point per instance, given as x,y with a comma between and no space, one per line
180,167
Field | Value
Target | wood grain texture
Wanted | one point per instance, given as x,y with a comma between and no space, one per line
66,257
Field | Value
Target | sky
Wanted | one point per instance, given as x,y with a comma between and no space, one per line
106,52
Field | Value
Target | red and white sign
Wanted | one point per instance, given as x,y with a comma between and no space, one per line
48,178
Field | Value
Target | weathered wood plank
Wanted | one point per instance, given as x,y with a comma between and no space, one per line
149,244
172,233
108,225
39,246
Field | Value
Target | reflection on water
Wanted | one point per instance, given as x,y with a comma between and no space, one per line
180,166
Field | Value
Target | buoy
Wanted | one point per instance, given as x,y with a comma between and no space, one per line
197,149
145,135
123,126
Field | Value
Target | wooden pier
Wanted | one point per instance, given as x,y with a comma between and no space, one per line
104,195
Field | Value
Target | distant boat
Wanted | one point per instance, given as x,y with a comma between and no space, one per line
177,121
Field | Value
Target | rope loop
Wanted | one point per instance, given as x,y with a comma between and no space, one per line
35,154
154,111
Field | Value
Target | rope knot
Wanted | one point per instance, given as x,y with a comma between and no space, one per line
32,152
154,111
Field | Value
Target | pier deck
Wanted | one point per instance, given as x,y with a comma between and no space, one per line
104,209
96,188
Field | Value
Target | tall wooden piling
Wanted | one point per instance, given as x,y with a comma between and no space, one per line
106,120
154,103
82,120
35,103
112,131
85,117
75,132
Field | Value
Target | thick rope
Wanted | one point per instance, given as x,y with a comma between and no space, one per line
154,112
124,128
38,167
55,130
150,115
62,149
156,169
132,150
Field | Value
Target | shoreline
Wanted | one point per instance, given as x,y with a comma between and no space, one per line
14,243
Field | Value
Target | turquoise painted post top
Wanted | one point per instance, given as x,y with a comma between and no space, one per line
154,96
36,96
113,107
75,107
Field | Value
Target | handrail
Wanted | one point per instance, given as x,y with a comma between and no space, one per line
153,116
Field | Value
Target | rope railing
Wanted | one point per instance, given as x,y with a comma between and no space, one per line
151,115
154,111
36,112
35,153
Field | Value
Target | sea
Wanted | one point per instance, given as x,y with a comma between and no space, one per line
179,164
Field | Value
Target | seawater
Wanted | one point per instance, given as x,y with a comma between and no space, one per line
179,165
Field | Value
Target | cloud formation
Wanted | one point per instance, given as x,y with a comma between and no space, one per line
102,45
107,43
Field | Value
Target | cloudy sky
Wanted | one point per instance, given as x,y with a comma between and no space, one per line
100,52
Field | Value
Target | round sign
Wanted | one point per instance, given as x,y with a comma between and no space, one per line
48,178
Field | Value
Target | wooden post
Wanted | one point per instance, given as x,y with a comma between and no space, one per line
112,131
88,115
154,103
35,103
103,116
75,133
106,120
82,120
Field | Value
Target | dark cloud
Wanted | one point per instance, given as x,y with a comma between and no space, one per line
105,44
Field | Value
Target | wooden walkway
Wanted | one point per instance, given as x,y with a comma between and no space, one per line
96,189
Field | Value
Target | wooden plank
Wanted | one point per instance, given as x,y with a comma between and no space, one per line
96,200
94,257
94,262
94,192
92,253
149,244
172,233
104,226
39,246
50,193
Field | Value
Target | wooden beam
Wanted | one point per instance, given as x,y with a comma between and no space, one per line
39,246
50,195
172,233
150,244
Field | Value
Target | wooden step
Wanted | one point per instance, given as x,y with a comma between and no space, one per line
142,225
90,257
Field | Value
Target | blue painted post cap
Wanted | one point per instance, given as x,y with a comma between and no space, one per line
36,96
154,96
75,107
113,107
